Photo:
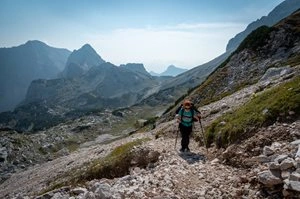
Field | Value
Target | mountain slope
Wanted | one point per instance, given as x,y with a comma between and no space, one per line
279,12
20,65
173,89
277,46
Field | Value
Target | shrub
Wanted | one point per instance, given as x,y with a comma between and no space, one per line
256,38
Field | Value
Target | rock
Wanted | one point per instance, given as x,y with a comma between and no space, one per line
296,142
79,190
3,154
274,166
295,176
287,164
215,161
103,191
285,174
89,195
267,151
261,159
268,179
280,158
294,185
298,152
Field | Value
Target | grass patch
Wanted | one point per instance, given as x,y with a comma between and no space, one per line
115,164
264,109
294,60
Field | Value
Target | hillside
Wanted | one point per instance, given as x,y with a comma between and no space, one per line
187,81
156,169
22,64
280,12
249,146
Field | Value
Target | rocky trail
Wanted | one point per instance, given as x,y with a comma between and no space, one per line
240,171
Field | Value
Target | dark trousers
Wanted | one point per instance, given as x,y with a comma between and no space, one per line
185,134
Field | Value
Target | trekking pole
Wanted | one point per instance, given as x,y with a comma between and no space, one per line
176,137
203,135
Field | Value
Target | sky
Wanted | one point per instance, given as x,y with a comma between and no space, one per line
157,33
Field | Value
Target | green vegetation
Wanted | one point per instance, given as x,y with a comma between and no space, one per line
256,38
115,164
294,60
263,109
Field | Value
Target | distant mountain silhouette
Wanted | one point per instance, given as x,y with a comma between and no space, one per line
22,64
135,67
80,61
279,12
170,71
173,71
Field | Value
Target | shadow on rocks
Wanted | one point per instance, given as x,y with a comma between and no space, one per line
192,158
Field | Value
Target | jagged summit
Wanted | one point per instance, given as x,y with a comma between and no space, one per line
135,67
81,60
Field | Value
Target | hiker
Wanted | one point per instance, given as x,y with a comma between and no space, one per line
186,116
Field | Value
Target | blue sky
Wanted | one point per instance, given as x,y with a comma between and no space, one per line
158,33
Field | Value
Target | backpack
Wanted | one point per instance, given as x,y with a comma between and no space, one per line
192,108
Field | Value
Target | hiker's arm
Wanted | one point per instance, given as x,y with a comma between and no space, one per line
177,118
197,115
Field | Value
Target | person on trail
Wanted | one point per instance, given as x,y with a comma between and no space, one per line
185,118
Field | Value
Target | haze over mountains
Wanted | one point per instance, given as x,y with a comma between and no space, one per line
249,147
87,82
20,65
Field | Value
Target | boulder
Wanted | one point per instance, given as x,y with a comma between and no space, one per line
287,164
280,158
103,191
294,185
267,150
268,178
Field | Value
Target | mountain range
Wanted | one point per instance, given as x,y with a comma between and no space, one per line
248,146
89,83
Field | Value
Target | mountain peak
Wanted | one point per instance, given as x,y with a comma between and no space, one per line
135,67
87,47
82,60
35,43
173,71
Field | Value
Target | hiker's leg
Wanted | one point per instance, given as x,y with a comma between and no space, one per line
185,137
188,133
